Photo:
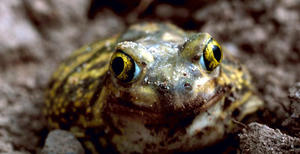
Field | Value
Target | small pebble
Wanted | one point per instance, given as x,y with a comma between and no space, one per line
62,142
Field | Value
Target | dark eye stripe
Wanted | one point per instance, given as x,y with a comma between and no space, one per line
217,53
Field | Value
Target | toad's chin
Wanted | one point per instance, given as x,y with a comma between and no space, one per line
166,131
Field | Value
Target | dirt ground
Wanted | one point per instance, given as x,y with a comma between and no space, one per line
36,35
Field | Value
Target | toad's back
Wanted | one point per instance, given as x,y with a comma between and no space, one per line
134,90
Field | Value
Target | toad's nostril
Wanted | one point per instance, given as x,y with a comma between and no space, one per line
188,86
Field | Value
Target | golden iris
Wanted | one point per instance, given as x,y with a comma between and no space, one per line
212,55
123,66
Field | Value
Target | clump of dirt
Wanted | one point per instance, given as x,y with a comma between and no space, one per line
258,138
36,35
291,124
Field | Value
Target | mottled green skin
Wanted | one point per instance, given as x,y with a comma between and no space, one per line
174,104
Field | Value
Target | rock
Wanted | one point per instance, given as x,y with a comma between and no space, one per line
62,142
259,138
20,114
292,123
5,146
60,23
294,96
295,91
19,39
168,11
104,25
285,15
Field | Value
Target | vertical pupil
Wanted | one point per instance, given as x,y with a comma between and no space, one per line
217,52
118,65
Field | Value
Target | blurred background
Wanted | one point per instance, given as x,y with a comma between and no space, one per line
35,35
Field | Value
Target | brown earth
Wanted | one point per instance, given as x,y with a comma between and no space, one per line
36,35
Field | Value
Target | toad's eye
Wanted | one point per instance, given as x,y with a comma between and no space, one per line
124,67
202,49
212,55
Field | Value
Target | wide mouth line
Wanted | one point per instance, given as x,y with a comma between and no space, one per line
139,112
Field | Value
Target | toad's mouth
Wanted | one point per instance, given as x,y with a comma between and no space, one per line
159,115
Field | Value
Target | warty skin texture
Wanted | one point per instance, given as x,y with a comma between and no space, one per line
170,101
